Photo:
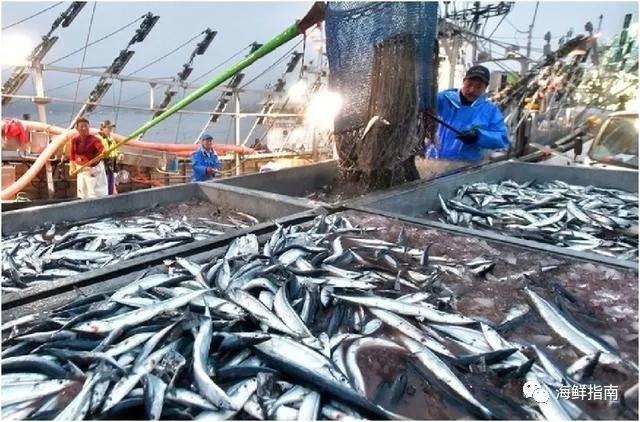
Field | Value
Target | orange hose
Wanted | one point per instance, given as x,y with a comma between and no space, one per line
156,146
146,181
177,148
61,136
59,140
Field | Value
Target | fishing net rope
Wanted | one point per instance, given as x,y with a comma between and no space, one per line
368,45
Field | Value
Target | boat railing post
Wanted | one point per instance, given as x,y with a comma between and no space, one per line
152,100
41,105
40,101
236,122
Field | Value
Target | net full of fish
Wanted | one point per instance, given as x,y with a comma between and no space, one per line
582,218
31,259
274,331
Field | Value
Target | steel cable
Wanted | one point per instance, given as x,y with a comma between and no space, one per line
32,16
220,64
271,66
165,56
122,28
84,55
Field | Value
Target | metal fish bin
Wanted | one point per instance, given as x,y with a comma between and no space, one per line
313,184
298,182
419,202
462,276
180,205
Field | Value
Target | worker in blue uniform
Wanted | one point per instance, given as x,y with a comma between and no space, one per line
479,122
204,161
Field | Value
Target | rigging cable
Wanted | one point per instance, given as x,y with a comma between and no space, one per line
184,92
70,83
516,29
284,56
493,61
115,119
271,66
497,26
135,97
97,41
115,102
84,55
220,64
128,100
165,56
304,52
504,45
228,135
32,16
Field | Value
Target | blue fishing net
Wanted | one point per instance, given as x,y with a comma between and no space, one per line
354,28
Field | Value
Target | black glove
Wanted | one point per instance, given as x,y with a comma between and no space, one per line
469,137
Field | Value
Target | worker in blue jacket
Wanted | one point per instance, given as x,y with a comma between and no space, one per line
469,110
204,161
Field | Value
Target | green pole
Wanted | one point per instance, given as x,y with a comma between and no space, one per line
282,38
275,42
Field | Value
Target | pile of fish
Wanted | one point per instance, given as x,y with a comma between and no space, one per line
29,259
582,218
278,332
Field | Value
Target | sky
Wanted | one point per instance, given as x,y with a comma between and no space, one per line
238,24
558,17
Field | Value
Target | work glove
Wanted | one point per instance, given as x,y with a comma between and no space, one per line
469,137
210,171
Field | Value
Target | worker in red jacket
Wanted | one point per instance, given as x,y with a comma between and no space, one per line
14,129
92,180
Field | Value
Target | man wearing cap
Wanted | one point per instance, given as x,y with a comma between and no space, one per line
110,161
479,122
91,180
204,161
